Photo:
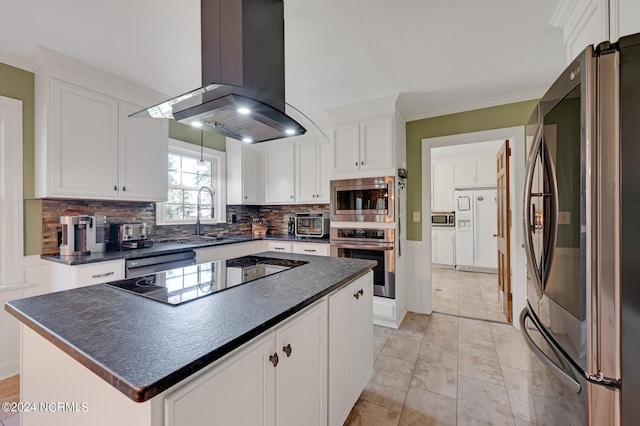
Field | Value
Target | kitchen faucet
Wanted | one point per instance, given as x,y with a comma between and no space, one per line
198,207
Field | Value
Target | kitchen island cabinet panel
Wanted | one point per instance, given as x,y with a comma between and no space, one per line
240,391
350,346
227,251
301,374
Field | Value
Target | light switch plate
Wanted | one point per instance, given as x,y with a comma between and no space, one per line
416,216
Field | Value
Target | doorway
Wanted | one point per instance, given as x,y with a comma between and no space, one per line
515,135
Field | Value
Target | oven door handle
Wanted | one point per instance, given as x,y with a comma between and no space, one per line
362,246
563,375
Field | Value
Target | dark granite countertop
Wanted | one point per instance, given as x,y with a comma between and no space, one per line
143,347
173,247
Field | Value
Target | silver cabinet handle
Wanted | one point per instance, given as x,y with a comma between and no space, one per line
106,274
278,248
310,250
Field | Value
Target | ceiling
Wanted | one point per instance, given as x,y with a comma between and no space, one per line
440,56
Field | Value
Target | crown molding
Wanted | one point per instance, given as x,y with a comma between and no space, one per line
15,61
561,13
469,106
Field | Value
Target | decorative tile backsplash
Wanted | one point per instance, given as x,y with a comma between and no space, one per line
276,216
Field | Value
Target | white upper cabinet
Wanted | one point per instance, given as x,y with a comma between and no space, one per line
142,156
363,145
242,163
312,172
442,187
279,174
474,172
627,15
86,146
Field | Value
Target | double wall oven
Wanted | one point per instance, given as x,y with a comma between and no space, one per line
363,226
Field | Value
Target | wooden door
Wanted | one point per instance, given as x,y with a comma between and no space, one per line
503,234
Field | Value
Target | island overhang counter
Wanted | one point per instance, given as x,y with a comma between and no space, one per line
144,348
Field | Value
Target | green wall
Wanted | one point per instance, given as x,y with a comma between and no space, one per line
186,133
19,84
498,117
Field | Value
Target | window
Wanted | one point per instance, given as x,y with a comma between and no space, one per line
186,179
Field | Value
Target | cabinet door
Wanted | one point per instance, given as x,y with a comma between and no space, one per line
628,12
83,156
279,174
249,174
340,401
486,171
301,376
361,334
306,171
279,246
376,144
465,172
143,151
323,171
443,187
241,391
444,247
346,148
313,249
234,172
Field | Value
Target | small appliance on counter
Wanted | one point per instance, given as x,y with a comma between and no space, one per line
82,234
311,225
259,227
129,236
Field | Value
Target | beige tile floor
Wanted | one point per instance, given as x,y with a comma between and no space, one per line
450,369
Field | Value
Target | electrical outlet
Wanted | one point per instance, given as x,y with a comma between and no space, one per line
416,216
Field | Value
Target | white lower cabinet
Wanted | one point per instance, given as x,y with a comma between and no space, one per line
350,346
240,391
65,277
443,248
280,379
314,249
279,246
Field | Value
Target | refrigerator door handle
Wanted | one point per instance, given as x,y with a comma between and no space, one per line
552,224
563,375
529,216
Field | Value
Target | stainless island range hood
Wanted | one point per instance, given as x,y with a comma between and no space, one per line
242,75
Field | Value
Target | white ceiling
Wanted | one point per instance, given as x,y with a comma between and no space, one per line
440,56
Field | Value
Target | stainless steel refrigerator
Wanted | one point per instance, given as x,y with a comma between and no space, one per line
582,236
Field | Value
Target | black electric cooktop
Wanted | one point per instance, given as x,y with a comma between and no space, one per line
181,285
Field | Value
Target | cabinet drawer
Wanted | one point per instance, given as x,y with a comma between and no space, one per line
278,246
315,249
100,272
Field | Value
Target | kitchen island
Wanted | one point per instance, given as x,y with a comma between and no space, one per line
117,358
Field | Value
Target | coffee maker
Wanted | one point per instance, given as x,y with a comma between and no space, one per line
82,234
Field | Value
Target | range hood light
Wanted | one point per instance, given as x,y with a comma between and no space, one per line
247,140
197,124
244,110
290,132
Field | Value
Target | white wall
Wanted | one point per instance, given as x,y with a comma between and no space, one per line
419,295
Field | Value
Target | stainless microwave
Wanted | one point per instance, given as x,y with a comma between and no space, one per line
443,219
311,225
363,200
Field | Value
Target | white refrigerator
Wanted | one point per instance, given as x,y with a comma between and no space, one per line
476,227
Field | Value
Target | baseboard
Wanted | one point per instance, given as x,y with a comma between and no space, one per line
9,368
